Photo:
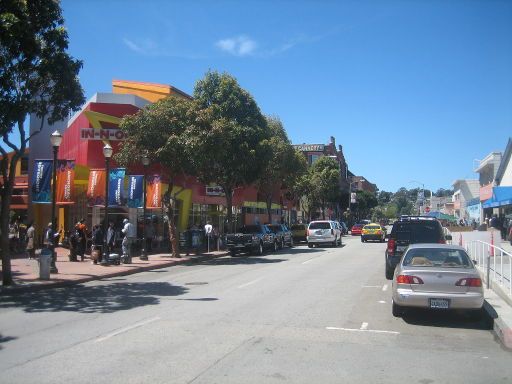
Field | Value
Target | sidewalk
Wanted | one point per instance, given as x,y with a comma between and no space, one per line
26,272
497,303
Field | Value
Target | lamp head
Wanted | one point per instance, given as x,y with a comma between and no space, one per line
145,159
107,151
56,139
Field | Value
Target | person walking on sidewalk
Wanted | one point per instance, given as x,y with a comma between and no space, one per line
111,237
130,234
97,243
31,251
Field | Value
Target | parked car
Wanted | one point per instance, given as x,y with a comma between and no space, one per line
356,229
373,232
411,230
251,239
283,235
436,276
323,232
299,232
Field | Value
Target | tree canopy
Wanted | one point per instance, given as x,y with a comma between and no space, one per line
37,76
229,141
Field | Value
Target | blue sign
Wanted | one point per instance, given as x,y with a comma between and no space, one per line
41,181
135,191
116,187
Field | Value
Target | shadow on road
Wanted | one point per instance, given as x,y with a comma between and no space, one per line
452,319
241,259
93,299
5,339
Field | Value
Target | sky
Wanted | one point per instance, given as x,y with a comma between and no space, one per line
415,91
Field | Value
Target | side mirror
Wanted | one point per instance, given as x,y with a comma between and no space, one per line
475,262
448,237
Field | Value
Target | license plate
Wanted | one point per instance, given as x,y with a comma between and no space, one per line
439,303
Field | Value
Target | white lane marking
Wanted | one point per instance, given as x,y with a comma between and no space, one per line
364,326
384,287
126,329
371,286
250,283
362,330
307,261
382,302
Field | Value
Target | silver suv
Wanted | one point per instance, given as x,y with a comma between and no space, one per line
323,232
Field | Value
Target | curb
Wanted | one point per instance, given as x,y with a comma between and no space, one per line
60,284
501,313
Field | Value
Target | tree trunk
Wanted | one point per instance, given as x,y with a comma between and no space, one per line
229,205
169,211
4,241
269,208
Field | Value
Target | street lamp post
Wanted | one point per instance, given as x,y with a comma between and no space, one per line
422,194
143,253
107,152
55,140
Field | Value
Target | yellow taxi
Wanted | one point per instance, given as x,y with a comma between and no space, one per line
373,231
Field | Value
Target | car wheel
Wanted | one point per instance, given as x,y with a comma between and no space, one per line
335,242
232,253
259,250
397,310
362,239
310,245
389,272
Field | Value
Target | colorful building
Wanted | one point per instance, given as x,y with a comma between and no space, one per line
97,123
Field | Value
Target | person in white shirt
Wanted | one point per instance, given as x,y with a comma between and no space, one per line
129,238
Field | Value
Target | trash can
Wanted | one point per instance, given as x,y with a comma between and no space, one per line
45,260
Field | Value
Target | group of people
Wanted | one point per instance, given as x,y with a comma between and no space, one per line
501,224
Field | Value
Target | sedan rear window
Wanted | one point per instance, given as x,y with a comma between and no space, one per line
437,257
320,225
371,227
425,232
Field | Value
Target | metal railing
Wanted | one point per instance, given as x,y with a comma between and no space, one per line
494,262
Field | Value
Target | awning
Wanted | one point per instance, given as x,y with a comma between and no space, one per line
500,196
441,216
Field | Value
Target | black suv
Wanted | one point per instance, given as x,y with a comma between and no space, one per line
411,230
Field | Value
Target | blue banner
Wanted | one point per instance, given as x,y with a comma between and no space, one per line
135,191
116,187
41,181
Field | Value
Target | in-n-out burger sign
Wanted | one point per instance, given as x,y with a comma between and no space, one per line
102,134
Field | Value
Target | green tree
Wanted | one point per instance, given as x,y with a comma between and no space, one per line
37,76
228,141
326,178
284,167
366,201
160,130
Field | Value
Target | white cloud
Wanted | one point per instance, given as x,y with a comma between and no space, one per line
238,46
145,47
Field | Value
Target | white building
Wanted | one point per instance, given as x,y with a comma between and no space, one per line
464,191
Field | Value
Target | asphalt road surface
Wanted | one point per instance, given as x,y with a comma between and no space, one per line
320,315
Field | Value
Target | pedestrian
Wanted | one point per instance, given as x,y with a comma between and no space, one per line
111,238
81,240
129,238
510,232
50,238
31,251
97,243
149,234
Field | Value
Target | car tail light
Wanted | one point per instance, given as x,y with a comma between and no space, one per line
307,232
391,247
442,241
469,282
407,279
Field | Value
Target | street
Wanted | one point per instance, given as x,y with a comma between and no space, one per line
320,315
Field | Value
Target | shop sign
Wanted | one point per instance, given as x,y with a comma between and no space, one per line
310,147
102,134
215,190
